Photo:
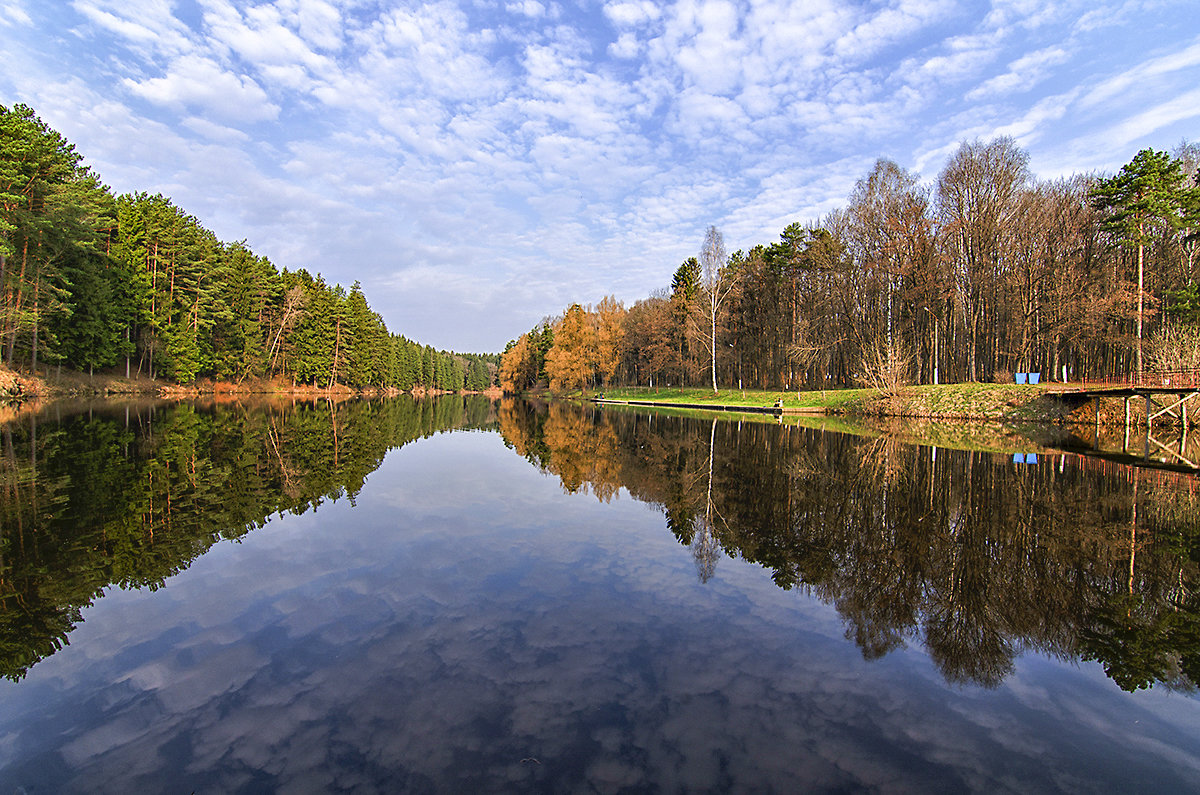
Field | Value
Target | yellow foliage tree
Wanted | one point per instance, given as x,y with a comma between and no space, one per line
517,367
571,362
610,332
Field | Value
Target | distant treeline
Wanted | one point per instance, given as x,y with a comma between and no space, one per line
984,273
89,280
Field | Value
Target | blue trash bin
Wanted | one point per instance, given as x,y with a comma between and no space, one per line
1035,377
1021,377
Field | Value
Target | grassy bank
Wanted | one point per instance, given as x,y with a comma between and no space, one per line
1008,402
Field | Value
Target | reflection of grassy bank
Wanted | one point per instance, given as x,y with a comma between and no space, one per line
839,423
981,436
1009,402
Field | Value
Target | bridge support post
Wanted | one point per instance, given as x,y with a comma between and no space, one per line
1149,423
1125,446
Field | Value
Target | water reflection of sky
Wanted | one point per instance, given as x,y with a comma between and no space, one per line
468,627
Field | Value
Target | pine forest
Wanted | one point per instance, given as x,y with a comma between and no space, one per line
90,280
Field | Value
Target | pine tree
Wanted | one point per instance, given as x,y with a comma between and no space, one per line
49,207
1147,192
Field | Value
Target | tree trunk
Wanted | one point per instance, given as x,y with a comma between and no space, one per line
712,347
37,283
1139,304
16,304
154,278
3,281
337,343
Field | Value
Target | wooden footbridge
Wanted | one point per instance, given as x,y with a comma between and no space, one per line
1165,394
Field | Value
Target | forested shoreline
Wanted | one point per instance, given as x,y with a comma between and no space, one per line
983,273
90,281
986,272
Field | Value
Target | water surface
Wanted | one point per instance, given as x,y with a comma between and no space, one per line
466,596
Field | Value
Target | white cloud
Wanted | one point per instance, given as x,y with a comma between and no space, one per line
1134,78
1143,124
707,48
151,24
1023,74
196,82
1026,128
1025,14
626,46
260,37
528,8
632,14
962,58
430,51
318,23
215,132
890,25
14,13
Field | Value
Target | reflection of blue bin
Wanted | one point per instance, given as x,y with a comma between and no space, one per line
1031,458
1035,377
1020,377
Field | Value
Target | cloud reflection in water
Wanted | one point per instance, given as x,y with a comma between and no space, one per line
468,627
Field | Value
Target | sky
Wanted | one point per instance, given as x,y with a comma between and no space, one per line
478,165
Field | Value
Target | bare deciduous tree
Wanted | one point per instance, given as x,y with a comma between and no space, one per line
715,285
978,195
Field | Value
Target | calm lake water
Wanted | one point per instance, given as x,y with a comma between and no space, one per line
467,596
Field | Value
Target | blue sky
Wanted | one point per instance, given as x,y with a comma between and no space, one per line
479,165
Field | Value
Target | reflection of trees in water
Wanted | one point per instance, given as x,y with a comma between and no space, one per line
974,557
706,550
129,498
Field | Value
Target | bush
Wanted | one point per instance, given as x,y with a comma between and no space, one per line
1175,346
885,367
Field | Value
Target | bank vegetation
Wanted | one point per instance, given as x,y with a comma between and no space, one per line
984,273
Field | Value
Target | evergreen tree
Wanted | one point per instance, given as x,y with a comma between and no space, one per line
49,206
1147,192
92,335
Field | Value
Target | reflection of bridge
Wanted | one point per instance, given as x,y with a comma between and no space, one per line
1177,477
1165,394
